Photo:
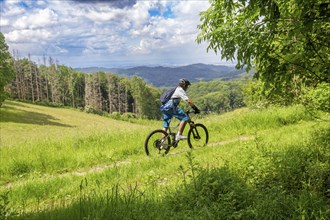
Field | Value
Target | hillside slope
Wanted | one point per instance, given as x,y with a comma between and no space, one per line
22,122
260,164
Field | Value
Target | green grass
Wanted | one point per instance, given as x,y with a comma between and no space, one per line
259,164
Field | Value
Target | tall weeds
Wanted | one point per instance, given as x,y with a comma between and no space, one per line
283,173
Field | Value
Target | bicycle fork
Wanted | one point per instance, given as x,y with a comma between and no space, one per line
194,131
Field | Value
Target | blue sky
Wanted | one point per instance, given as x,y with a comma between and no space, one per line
106,33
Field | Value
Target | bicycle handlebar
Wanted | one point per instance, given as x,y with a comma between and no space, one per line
190,111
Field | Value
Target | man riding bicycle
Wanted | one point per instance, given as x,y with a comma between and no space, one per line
170,108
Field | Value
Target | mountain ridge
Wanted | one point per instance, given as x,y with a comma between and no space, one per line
165,76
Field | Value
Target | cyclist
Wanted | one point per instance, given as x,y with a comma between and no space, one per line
170,108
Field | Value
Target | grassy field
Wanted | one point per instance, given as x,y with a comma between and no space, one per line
259,164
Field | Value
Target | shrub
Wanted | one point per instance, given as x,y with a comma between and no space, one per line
19,168
115,115
214,193
318,98
90,109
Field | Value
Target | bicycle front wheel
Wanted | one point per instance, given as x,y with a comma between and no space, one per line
198,136
157,141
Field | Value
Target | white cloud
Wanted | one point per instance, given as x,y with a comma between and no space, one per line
88,32
4,22
39,19
11,8
33,36
186,8
102,15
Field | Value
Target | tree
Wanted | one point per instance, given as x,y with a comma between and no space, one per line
93,96
27,84
6,67
76,87
218,95
146,98
286,41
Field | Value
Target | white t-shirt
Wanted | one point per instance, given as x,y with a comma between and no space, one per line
179,93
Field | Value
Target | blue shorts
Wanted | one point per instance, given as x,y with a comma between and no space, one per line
178,113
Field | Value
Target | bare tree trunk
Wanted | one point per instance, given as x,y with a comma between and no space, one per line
46,79
98,94
110,97
51,78
37,82
18,72
31,78
72,84
119,101
87,90
126,98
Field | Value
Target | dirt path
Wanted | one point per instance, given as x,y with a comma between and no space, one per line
79,172
218,144
102,167
240,138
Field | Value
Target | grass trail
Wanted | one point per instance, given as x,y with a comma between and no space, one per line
47,154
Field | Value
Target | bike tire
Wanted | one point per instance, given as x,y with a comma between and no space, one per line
198,136
154,144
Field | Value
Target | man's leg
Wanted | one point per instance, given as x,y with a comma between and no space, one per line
167,120
182,126
167,116
166,123
183,117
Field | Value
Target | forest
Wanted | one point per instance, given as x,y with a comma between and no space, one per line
108,93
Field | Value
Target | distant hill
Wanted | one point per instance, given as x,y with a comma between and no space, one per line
161,76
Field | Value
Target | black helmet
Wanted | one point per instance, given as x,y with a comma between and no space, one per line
184,82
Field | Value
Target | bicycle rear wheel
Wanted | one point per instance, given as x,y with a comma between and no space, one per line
157,141
198,136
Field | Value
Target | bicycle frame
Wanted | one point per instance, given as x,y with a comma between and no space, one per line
169,129
172,134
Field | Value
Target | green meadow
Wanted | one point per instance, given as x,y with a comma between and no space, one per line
60,163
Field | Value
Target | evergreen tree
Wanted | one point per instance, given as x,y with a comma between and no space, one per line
6,67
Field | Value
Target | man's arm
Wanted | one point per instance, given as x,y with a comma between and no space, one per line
193,106
190,103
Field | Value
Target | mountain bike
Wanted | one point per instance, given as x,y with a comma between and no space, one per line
159,141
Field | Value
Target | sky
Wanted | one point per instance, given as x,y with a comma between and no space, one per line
106,33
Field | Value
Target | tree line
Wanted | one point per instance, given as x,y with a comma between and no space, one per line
59,85
100,92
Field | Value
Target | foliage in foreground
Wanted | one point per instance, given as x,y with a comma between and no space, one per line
293,184
285,41
268,180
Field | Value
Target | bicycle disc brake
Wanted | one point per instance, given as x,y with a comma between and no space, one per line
157,144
